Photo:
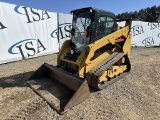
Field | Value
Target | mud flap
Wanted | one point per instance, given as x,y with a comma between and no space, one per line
61,89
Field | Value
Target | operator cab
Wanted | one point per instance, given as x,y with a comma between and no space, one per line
90,24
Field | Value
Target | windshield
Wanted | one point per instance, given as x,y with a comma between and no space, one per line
82,21
81,25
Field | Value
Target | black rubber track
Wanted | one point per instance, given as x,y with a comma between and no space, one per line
94,75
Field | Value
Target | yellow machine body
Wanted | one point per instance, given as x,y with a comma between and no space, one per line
94,56
85,62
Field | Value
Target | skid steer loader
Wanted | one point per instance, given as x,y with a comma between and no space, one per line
97,55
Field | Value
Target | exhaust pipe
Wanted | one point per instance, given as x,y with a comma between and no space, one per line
61,89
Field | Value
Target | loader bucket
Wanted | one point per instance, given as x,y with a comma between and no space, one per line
61,89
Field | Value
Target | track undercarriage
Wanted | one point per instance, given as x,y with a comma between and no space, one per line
109,71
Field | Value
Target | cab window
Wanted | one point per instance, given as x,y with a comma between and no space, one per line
104,26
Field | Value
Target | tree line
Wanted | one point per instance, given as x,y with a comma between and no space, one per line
149,14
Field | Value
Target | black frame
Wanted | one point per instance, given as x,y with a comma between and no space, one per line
95,13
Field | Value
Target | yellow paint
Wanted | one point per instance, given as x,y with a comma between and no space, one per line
85,61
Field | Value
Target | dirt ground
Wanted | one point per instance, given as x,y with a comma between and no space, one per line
135,97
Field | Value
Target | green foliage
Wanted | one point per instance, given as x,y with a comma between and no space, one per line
149,14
